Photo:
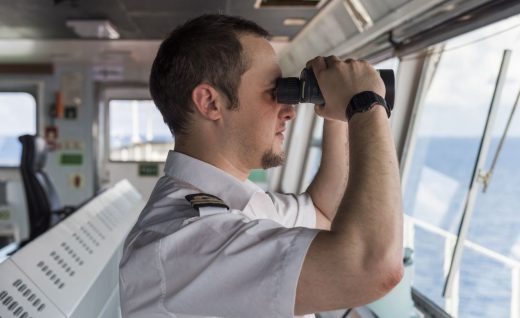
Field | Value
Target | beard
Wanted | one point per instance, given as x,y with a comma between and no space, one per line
270,159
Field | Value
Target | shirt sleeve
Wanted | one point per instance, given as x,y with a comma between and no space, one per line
294,210
225,265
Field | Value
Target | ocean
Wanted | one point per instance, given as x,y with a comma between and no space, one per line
435,192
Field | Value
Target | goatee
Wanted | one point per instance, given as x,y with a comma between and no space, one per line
271,159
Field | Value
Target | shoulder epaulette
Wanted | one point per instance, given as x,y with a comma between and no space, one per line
201,200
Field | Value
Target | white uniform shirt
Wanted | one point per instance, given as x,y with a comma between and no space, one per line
213,262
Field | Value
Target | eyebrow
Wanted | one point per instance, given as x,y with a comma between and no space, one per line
272,81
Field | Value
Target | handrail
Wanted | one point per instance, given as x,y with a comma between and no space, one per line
474,246
514,265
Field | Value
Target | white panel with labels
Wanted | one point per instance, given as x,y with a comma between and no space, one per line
75,263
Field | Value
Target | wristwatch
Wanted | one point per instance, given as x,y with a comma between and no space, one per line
363,102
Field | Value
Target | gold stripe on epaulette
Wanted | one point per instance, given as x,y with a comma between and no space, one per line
202,199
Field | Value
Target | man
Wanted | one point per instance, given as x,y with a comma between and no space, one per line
210,243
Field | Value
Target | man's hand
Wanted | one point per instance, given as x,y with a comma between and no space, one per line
340,81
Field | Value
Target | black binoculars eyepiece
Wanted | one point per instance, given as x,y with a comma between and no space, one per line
294,90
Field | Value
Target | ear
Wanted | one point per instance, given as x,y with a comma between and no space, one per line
206,101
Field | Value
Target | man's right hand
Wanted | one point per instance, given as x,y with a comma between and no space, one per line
339,81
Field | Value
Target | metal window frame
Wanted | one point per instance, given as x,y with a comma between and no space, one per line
107,113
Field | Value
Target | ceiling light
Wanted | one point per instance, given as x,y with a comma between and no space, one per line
294,21
359,14
99,29
449,7
465,17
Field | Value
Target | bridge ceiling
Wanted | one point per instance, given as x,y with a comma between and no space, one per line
135,19
358,28
376,29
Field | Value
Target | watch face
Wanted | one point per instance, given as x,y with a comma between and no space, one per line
363,102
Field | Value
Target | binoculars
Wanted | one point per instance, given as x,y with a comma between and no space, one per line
294,90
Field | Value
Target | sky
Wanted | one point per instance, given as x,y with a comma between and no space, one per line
461,92
17,113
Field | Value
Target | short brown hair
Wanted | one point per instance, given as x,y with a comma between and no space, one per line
203,50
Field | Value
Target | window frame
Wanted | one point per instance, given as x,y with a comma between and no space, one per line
425,58
107,114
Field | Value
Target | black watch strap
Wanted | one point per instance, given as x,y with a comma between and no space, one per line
363,102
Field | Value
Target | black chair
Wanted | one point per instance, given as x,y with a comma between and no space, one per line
43,203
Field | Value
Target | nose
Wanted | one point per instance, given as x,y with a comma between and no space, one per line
287,112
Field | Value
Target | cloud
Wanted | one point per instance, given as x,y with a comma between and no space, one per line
461,92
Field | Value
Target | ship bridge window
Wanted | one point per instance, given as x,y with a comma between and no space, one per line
450,126
18,113
137,132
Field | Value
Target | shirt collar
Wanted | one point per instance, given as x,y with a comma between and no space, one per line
210,179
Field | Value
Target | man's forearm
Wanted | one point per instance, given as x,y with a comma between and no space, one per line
328,186
373,195
360,258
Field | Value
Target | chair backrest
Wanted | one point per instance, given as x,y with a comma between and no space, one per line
40,193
